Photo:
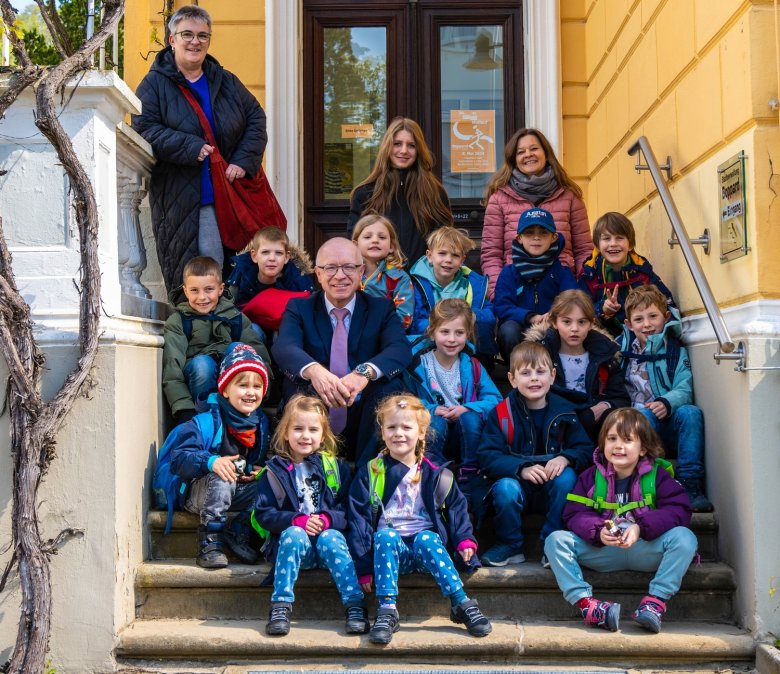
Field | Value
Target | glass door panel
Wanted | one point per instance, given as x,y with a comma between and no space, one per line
472,107
354,105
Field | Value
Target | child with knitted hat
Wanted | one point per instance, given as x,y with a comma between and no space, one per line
221,466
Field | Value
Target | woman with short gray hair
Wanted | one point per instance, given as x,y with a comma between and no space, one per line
181,192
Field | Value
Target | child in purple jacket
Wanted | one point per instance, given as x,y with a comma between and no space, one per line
626,513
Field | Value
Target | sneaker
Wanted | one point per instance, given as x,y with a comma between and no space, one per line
502,554
357,618
699,502
650,613
602,614
545,562
279,619
386,624
238,539
210,551
467,613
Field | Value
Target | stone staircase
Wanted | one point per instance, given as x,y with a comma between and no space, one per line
185,614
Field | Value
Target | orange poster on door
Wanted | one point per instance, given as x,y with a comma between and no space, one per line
472,141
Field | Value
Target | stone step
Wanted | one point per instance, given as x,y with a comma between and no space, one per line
181,541
242,643
181,589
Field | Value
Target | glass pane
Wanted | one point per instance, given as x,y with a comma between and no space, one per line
472,107
355,77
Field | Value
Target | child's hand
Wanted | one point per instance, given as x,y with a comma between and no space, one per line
224,469
535,474
454,413
535,320
658,408
612,540
599,409
630,536
314,525
441,411
250,477
366,587
554,467
611,304
466,554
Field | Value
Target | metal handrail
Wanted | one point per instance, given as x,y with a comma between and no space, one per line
729,349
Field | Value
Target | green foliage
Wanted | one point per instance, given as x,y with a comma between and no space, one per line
38,49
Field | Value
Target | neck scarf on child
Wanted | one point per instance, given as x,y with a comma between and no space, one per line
534,188
243,427
533,267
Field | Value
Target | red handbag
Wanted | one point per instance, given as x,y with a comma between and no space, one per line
244,206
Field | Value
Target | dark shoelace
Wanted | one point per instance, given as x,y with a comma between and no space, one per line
384,621
355,613
474,614
278,613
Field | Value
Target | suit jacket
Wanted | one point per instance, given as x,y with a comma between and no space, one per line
375,334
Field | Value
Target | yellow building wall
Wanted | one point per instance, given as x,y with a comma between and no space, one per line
238,38
695,77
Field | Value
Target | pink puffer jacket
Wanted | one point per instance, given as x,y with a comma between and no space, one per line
500,228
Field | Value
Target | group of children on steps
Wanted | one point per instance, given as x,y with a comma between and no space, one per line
574,388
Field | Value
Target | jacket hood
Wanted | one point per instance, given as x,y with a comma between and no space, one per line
655,343
544,332
424,269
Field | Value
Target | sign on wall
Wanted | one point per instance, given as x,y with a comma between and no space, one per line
733,208
472,141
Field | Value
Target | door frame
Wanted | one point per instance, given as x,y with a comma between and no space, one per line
284,91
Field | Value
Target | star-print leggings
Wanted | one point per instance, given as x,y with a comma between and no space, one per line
329,551
393,556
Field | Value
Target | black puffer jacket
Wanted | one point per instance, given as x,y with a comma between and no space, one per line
171,127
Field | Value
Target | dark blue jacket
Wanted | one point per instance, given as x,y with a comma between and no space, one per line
275,520
190,457
244,284
375,335
453,527
563,436
519,300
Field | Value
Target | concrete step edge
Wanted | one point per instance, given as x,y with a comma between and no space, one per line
437,637
184,573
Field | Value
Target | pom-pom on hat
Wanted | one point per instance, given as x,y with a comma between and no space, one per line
536,216
241,358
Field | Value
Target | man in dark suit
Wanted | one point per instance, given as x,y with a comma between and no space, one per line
344,346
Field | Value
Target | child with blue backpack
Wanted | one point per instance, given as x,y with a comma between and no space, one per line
197,334
299,511
453,386
441,274
397,522
626,513
219,465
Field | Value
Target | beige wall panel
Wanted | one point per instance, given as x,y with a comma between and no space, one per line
632,186
595,37
574,146
573,51
238,11
697,133
764,203
710,17
575,99
617,106
674,36
649,9
597,128
734,77
607,188
763,65
643,76
615,13
600,82
628,35
572,9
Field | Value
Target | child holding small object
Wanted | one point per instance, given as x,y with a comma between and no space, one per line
626,513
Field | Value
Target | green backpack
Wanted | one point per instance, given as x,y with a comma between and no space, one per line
646,486
330,466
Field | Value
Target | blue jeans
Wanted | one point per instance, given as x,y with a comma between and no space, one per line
511,496
510,334
669,556
209,238
200,375
455,441
328,551
393,557
683,436
211,497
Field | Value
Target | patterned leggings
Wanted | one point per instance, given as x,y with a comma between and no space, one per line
392,557
329,551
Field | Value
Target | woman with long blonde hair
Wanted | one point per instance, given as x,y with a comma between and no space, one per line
403,188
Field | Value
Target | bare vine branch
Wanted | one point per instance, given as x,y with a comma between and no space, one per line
59,36
29,72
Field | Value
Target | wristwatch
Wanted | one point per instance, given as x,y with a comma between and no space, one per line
366,370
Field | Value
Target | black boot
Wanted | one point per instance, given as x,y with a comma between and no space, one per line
279,619
693,488
357,618
210,551
239,540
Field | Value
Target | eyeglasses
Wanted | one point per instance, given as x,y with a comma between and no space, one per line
331,269
189,36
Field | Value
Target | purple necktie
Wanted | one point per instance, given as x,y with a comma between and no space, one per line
339,365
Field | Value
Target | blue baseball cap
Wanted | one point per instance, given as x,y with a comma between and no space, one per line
538,217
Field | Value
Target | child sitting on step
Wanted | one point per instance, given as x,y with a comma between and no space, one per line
222,469
299,510
397,507
626,513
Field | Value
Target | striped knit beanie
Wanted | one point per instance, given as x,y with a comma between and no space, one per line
241,358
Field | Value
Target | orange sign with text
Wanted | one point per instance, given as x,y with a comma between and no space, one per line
472,141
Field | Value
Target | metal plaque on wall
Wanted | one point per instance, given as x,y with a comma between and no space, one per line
733,208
